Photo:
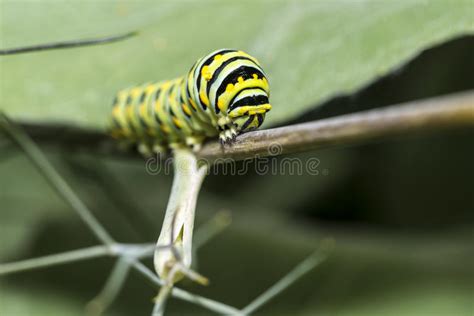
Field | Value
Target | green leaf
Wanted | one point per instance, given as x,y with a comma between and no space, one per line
311,50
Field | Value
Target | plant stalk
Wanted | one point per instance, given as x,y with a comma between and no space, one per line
178,224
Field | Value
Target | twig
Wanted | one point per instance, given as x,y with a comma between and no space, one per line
302,268
126,253
100,303
66,44
177,230
178,223
111,288
448,111
41,163
161,299
129,254
186,296
205,233
46,261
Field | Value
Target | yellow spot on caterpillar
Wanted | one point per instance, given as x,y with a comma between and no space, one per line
192,104
203,97
157,105
186,109
220,105
116,111
250,110
150,88
177,122
165,85
129,111
135,92
165,129
261,111
241,79
229,87
143,110
255,76
206,73
217,57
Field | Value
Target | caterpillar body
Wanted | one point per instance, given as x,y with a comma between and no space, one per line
225,93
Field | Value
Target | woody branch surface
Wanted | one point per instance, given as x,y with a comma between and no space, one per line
351,129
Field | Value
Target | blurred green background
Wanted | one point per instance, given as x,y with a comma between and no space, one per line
400,211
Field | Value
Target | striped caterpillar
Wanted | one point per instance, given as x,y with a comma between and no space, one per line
225,93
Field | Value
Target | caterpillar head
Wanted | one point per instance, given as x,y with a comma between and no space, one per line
245,113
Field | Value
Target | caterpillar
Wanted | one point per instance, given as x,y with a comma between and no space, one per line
225,93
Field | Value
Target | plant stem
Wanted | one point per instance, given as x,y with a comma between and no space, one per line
65,257
215,306
302,268
66,44
178,224
111,289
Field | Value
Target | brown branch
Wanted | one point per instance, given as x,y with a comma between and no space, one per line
448,111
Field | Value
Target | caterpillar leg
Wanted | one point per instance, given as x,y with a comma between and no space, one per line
228,135
228,130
